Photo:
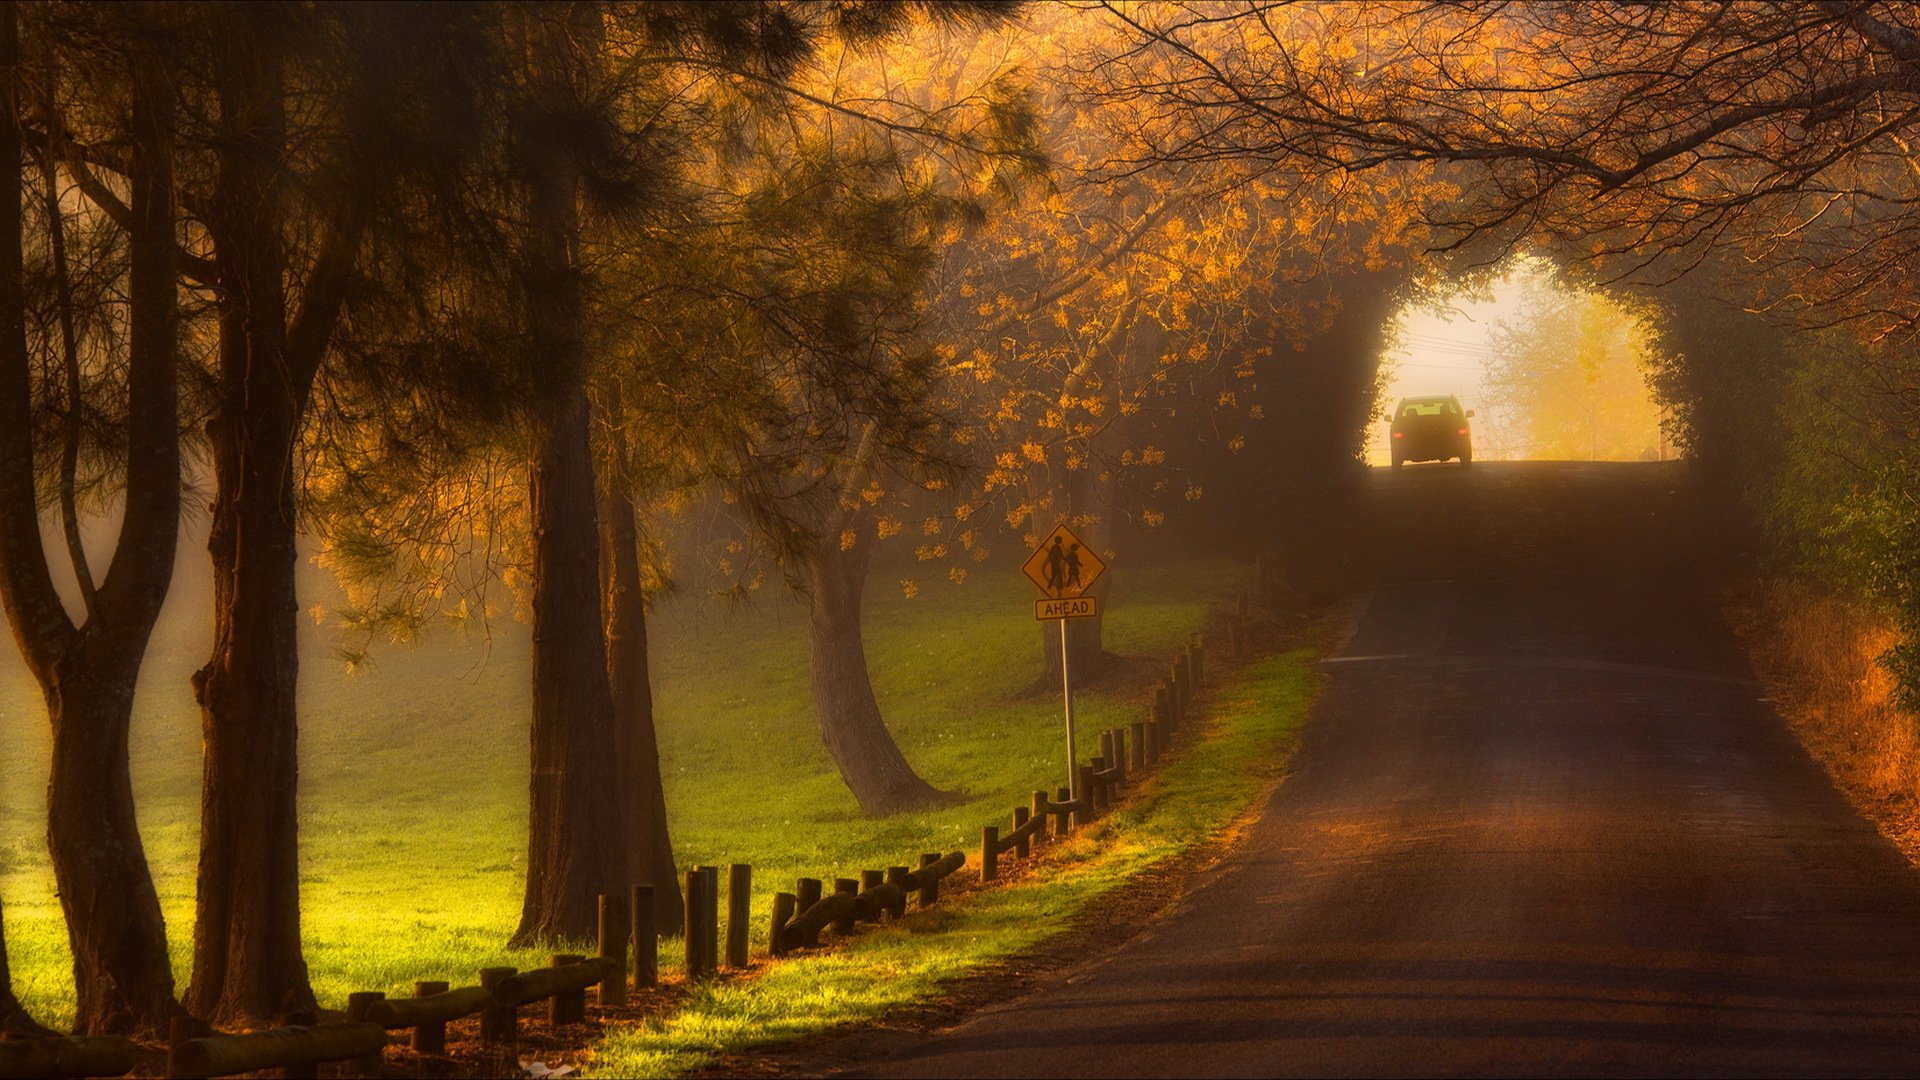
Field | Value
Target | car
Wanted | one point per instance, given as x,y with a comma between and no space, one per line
1431,429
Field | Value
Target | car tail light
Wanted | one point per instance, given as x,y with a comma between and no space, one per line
1398,434
1463,431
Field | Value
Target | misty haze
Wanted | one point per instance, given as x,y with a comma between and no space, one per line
960,538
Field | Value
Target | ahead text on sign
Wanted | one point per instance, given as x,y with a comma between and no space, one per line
1077,607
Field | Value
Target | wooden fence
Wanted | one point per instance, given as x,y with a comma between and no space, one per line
629,934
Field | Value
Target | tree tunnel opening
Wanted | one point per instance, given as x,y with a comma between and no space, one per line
1552,369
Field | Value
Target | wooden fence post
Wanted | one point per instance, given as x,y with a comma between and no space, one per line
900,877
783,912
613,946
1021,815
357,1003
1137,752
1121,751
1040,810
871,880
989,852
498,1022
739,912
1197,659
692,930
710,922
929,889
843,925
1094,789
567,1006
1085,815
181,1031
430,1037
807,892
646,937
1062,818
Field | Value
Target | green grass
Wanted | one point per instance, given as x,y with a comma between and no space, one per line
1197,795
413,784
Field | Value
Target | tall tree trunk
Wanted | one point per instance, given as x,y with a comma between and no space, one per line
855,734
14,1020
122,976
247,959
649,847
575,846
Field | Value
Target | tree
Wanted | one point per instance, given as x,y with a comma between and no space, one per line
290,196
87,671
573,854
1571,370
1644,137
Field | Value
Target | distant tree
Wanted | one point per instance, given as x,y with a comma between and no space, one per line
1570,370
87,670
1128,315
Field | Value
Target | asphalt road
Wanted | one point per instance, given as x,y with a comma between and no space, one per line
1543,823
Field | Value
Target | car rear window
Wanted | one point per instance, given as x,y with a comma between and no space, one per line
1422,408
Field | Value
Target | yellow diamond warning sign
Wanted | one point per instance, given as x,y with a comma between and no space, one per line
1063,567
1077,607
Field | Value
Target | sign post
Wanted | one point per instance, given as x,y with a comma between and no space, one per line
1064,569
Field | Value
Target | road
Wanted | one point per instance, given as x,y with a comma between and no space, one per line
1543,823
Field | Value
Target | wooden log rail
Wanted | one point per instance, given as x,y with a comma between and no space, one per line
103,1055
564,985
429,1011
799,917
275,1048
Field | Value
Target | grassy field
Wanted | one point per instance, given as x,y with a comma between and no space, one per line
413,787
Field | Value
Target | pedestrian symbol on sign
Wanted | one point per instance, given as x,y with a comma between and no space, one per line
1062,566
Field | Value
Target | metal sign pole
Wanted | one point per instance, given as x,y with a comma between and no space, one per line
1066,695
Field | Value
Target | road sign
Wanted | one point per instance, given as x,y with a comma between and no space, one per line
1076,607
1062,566
1065,568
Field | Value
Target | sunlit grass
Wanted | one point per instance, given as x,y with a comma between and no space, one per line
1198,794
414,773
